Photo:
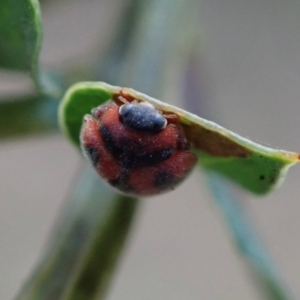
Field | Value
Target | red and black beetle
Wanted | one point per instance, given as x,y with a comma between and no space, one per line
136,148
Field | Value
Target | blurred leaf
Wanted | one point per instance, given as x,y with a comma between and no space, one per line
248,243
27,116
85,247
255,167
20,34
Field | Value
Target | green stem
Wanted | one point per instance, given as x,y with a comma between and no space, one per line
249,245
35,67
86,244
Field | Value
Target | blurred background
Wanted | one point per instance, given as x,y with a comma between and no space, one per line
180,247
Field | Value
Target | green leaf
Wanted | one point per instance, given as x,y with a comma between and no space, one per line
86,244
80,100
260,171
27,116
255,167
20,34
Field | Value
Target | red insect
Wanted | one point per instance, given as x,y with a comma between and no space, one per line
136,148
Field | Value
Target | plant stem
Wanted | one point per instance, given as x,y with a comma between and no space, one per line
86,244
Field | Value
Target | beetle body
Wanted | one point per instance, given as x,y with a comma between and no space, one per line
135,149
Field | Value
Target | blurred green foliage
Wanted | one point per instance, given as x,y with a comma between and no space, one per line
96,218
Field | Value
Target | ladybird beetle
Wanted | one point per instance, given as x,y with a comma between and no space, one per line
136,148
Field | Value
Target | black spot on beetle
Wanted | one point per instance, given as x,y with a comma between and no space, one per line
93,154
130,154
111,145
121,182
262,177
164,179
